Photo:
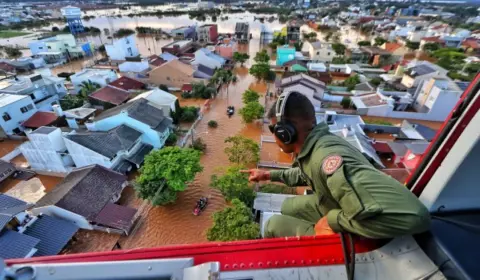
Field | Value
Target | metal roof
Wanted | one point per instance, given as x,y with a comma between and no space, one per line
116,216
15,245
7,201
53,234
45,130
138,156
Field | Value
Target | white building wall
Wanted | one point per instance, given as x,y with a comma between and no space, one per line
324,54
121,48
17,117
40,154
105,77
82,156
307,92
202,58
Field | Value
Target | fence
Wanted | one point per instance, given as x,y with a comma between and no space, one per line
190,132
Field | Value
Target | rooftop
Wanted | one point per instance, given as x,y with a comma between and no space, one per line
86,190
241,27
40,119
155,60
302,77
111,95
44,130
391,47
419,70
127,83
14,245
109,144
116,216
373,50
181,44
318,45
79,113
7,99
92,73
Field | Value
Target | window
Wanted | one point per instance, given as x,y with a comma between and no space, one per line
25,109
6,117
318,53
328,54
59,86
32,96
40,48
168,78
49,47
66,45
16,130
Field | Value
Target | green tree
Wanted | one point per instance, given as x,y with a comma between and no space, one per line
412,45
188,113
165,172
233,223
340,60
376,81
71,102
262,57
346,101
240,57
234,184
298,46
87,88
252,111
339,48
171,140
431,47
200,90
224,77
242,150
260,71
379,41
199,145
250,96
351,82
328,36
212,124
13,52
364,43
123,32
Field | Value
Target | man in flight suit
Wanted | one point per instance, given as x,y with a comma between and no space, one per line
350,195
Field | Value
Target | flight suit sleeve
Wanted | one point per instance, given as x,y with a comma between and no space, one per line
373,211
291,177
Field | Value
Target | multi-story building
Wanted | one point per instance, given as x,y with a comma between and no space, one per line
242,32
122,48
14,110
320,51
56,49
293,32
45,90
98,76
421,71
207,33
183,32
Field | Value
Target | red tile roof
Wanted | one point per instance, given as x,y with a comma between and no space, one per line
471,43
155,60
187,87
111,95
432,39
7,67
116,216
127,83
40,119
391,47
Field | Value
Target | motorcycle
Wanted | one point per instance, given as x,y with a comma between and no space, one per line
200,206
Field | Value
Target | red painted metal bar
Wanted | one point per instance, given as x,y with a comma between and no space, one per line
239,255
438,159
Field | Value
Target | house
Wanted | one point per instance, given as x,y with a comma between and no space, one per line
155,61
207,33
122,49
370,54
395,49
101,77
87,196
119,148
178,48
108,97
308,86
21,65
23,235
45,90
78,116
366,70
320,51
128,84
173,73
471,46
226,48
15,109
363,88
134,66
285,54
208,58
242,32
6,170
187,88
162,99
421,71
203,72
39,119
183,32
293,32
167,56
452,41
413,155
416,131
151,121
317,67
46,150
56,49
433,39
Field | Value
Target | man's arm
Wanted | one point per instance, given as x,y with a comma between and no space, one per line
373,204
291,177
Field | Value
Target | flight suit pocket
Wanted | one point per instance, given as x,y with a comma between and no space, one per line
343,192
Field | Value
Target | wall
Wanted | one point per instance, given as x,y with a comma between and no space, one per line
202,58
170,76
40,154
325,54
149,135
120,48
305,91
83,156
17,117
131,66
37,47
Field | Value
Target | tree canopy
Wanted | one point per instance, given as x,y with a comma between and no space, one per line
233,223
412,45
364,43
340,60
242,150
122,32
339,48
87,88
13,52
233,184
250,96
165,172
379,41
252,111
260,71
431,46
351,82
262,57
240,57
71,102
200,90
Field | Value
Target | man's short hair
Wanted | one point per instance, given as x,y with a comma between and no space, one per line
298,109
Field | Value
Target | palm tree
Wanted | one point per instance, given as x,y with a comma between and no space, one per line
87,88
224,77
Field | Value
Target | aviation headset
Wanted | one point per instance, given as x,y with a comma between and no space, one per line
284,129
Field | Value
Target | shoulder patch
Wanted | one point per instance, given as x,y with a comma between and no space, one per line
331,164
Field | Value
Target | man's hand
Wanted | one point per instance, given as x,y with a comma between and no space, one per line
256,175
322,227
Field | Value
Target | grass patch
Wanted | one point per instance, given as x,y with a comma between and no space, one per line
11,34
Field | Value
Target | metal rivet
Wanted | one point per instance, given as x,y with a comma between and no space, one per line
310,261
357,259
302,262
149,268
400,249
285,262
293,262
260,264
365,259
251,264
381,256
318,260
235,266
277,263
227,266
242,265
269,263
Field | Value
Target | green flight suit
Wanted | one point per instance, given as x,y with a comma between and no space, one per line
355,196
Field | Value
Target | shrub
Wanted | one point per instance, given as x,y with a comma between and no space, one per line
213,124
171,140
199,145
346,101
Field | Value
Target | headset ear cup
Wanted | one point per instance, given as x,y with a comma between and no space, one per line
285,132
